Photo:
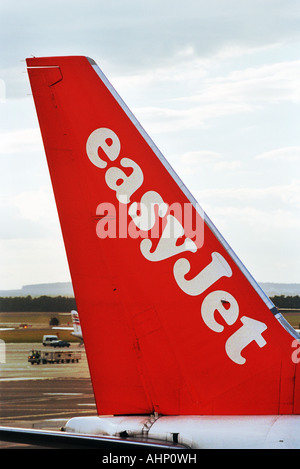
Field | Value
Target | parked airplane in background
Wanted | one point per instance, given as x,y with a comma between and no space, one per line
183,345
76,328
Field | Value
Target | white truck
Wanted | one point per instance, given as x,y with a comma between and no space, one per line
49,339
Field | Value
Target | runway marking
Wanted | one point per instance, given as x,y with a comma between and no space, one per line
34,416
63,393
27,379
88,404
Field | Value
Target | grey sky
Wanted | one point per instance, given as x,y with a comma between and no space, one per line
215,84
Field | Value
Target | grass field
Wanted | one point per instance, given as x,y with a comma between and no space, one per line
37,325
34,318
292,317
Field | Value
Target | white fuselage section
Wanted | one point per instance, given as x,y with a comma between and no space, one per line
199,432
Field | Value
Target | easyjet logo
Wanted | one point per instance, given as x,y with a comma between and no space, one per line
124,176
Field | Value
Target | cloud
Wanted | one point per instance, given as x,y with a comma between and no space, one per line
22,140
261,224
249,89
255,217
287,194
29,214
135,36
281,154
38,206
2,91
199,157
207,96
207,79
266,213
31,260
194,162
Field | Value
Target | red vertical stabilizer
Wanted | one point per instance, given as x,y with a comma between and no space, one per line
172,320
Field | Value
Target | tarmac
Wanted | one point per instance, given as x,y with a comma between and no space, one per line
42,396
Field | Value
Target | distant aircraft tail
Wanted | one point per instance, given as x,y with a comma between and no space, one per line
172,320
76,324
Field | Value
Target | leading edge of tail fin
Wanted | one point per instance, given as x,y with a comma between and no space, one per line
183,187
173,322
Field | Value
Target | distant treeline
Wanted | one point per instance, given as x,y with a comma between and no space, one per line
282,301
37,304
63,303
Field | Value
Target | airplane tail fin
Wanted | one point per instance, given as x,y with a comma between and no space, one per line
76,323
172,320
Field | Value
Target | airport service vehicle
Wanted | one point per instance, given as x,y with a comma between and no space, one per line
59,343
50,339
43,357
183,346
